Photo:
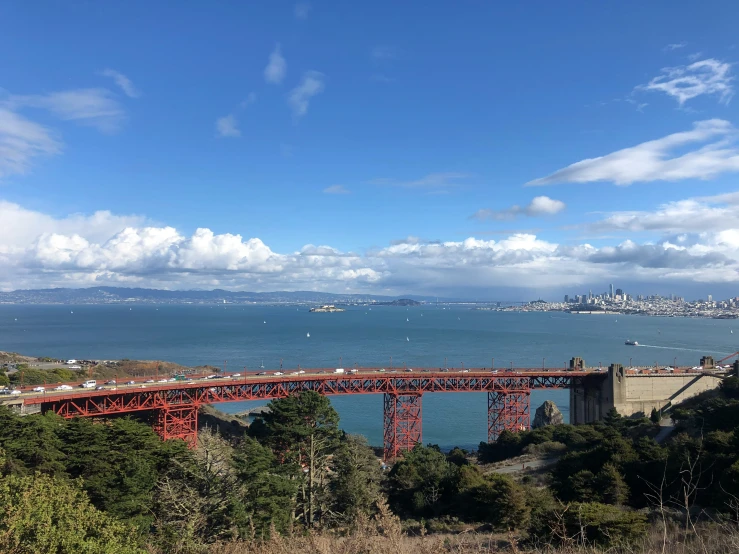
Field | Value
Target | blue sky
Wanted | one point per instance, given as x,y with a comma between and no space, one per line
384,147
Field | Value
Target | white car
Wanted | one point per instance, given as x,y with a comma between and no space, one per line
278,373
235,375
301,372
38,389
15,392
162,380
63,387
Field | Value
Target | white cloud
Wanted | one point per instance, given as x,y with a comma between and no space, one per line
675,46
249,100
37,250
227,126
300,96
539,205
21,141
383,53
651,161
705,77
693,215
694,56
336,189
122,81
442,180
95,107
301,10
276,67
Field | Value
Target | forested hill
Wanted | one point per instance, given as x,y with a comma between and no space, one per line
296,483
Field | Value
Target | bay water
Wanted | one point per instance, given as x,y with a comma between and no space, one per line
242,338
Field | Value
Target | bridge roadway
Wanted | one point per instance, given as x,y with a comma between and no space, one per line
176,402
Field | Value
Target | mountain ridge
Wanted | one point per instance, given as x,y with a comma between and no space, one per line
114,295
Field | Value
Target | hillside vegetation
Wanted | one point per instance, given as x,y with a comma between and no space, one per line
294,482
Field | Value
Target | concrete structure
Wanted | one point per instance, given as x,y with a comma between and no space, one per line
635,394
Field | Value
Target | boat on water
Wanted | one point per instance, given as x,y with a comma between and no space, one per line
631,343
307,335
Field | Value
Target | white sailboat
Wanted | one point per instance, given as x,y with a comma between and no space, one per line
407,339
307,335
262,366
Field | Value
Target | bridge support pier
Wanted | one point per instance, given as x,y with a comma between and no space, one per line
509,409
402,423
180,422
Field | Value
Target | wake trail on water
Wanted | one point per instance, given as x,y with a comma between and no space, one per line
676,348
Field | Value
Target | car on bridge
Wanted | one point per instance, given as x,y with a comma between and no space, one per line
38,389
63,387
262,373
235,375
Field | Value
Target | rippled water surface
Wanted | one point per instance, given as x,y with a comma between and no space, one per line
247,336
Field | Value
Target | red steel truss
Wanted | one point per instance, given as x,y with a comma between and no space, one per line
402,423
177,403
178,423
509,409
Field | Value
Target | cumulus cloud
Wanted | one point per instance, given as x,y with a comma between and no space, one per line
665,159
38,250
300,96
123,82
336,189
539,205
705,77
227,126
276,67
21,141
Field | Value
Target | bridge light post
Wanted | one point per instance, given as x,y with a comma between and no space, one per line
511,365
542,363
674,363
445,362
492,363
391,362
630,366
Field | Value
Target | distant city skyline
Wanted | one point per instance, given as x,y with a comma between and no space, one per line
531,153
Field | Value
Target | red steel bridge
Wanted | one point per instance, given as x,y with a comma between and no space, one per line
176,403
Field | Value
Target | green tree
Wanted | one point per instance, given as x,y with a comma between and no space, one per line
358,476
613,418
610,486
44,515
265,495
423,482
730,387
303,431
457,456
4,381
654,416
120,464
31,443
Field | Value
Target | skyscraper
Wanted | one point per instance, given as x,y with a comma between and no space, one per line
612,295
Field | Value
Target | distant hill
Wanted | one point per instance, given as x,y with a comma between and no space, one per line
116,295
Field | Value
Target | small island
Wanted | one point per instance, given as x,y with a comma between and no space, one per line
326,308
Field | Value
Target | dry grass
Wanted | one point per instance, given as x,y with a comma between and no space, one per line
383,535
